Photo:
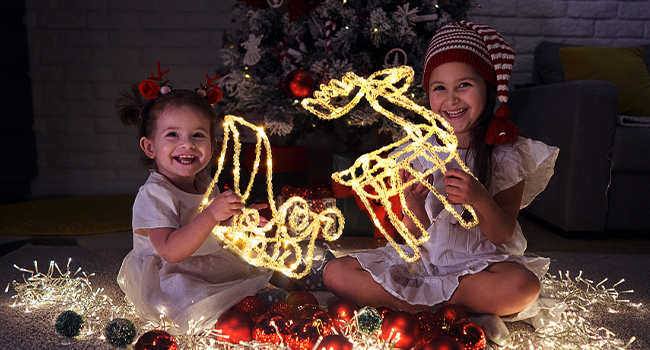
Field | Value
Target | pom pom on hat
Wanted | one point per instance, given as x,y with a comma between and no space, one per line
485,50
501,129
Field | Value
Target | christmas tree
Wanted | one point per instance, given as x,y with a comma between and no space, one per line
286,48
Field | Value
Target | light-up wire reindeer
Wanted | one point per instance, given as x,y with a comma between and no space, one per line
377,179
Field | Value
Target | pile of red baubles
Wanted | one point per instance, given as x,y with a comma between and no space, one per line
299,322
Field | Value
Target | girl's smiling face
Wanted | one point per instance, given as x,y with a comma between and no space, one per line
458,93
180,145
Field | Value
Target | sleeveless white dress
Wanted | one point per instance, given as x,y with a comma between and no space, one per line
453,251
206,284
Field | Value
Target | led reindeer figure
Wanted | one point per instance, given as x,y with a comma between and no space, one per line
276,245
375,178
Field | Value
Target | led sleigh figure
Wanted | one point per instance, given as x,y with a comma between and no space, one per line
276,245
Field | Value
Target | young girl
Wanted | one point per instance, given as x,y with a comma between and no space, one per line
177,270
483,269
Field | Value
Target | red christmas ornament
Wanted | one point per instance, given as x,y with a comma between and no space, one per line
156,340
444,342
335,342
251,305
451,313
341,312
469,334
271,328
299,84
304,334
404,325
234,326
282,308
301,300
322,317
430,327
385,310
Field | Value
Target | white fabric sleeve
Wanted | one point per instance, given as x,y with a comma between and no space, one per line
155,207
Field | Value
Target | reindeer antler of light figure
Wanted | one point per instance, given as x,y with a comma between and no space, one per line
276,245
375,178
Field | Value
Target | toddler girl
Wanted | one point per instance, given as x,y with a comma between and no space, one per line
177,270
483,268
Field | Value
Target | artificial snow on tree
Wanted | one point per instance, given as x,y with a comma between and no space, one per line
284,45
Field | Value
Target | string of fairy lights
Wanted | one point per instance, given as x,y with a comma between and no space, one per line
276,245
377,178
73,291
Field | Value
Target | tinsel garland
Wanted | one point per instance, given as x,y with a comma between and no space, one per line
362,36
73,291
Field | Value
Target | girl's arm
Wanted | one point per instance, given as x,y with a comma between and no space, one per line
175,245
497,215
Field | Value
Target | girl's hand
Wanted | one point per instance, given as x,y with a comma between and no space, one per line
417,192
415,195
463,188
225,205
258,207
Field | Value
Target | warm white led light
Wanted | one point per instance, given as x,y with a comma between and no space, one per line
277,245
375,178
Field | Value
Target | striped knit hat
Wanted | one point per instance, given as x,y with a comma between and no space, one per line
485,50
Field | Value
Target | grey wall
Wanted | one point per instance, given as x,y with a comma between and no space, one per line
82,53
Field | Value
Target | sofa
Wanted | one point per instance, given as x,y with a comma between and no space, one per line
602,175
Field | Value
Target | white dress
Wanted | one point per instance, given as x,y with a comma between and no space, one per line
453,251
206,284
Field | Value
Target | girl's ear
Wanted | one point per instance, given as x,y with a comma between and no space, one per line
147,147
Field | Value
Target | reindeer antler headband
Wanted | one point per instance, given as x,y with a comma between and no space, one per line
154,86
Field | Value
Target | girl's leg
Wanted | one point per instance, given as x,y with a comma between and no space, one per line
502,289
347,280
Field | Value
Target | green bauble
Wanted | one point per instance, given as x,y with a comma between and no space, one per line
69,324
120,332
368,320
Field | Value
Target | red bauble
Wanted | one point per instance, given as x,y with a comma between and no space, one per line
304,334
281,307
385,310
299,84
271,328
404,324
301,300
444,343
430,327
341,312
156,340
469,334
234,326
320,316
451,313
335,342
251,305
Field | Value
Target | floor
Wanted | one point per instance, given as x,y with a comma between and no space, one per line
541,238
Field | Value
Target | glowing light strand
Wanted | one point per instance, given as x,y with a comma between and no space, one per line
574,331
571,332
371,170
277,245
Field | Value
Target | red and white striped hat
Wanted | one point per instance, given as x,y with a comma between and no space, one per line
485,50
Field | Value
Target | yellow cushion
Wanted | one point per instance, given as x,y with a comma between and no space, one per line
624,67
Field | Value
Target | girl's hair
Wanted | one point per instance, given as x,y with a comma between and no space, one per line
136,111
478,149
